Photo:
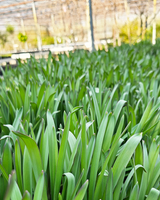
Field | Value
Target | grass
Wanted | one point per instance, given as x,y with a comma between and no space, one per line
83,127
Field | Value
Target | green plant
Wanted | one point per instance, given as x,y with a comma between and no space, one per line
83,126
3,38
10,29
48,40
22,38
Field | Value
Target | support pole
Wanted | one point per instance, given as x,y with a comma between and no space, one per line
39,42
154,25
91,25
23,30
128,20
143,27
53,29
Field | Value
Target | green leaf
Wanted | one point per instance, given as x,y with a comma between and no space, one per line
144,117
109,133
33,152
39,187
144,180
96,107
53,150
118,187
77,185
135,192
40,94
7,158
118,109
27,100
82,191
96,156
125,156
13,191
44,150
18,165
26,196
84,149
70,185
16,194
27,171
154,194
127,181
4,172
109,192
62,152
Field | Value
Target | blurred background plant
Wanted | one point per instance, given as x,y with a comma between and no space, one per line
3,39
22,38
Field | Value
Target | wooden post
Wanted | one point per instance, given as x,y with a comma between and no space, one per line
114,25
53,29
154,25
143,27
39,42
139,25
117,30
23,31
128,20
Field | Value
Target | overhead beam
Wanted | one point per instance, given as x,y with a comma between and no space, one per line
18,4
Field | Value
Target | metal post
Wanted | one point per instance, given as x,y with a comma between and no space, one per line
154,25
37,27
91,25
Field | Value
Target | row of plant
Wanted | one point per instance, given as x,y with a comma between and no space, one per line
82,126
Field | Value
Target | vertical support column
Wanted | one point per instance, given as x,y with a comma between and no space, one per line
116,29
23,30
52,19
119,38
143,27
154,25
128,21
39,42
139,26
90,24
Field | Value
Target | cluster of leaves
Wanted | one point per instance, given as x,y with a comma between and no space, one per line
22,38
83,126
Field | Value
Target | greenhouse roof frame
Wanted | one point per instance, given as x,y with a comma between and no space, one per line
71,17
10,11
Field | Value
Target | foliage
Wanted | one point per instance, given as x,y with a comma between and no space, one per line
10,29
3,38
48,40
133,26
22,38
134,32
83,126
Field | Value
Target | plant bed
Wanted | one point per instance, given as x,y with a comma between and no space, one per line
85,126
